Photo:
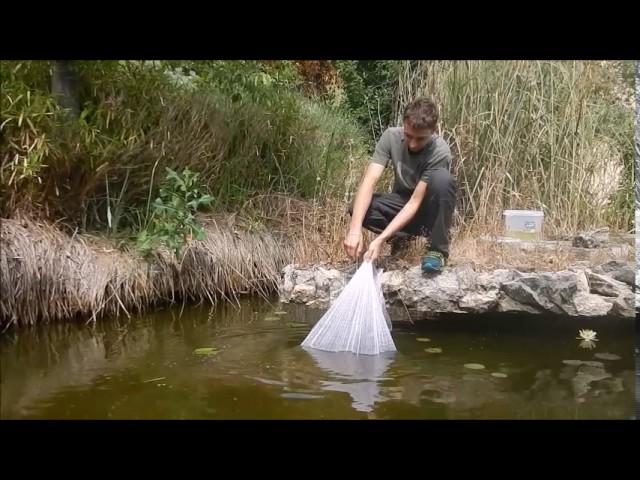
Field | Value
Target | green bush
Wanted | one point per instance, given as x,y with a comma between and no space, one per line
243,126
369,87
173,219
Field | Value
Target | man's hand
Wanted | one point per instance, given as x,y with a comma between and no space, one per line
374,250
354,244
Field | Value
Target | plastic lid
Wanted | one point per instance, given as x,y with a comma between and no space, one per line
525,213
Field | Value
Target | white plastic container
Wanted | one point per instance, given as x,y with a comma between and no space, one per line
524,224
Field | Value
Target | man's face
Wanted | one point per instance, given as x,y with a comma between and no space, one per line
416,138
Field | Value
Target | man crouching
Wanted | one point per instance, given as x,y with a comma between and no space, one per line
424,192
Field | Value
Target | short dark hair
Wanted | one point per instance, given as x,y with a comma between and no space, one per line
421,113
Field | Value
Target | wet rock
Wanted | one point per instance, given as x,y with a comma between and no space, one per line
304,293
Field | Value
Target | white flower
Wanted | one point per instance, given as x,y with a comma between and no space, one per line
588,335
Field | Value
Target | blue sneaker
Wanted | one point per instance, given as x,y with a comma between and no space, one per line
432,262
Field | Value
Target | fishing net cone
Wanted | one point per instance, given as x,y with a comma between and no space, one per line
357,321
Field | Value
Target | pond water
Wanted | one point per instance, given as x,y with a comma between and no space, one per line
244,361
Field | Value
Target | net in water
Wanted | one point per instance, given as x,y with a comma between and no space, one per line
357,321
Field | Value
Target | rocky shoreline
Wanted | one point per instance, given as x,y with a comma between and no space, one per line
597,291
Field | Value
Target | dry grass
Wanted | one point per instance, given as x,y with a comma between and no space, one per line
47,276
469,248
318,232
533,135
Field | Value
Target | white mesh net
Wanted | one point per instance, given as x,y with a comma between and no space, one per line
357,321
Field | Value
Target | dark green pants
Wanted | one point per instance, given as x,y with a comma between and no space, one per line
433,219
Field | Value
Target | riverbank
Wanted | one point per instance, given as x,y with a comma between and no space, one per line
47,275
601,291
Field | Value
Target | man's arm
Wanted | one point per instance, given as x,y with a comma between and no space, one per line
353,241
403,217
364,196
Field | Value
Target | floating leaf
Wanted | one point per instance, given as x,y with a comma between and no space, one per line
607,356
594,364
271,319
499,375
423,339
474,366
572,362
205,351
433,350
296,324
576,363
280,312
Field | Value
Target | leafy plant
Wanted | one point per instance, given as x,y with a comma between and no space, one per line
173,213
369,87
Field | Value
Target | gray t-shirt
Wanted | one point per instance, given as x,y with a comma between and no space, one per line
409,168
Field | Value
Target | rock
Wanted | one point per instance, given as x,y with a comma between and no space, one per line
617,270
304,293
624,305
479,302
484,295
580,265
467,278
392,281
329,283
547,292
318,303
437,293
496,278
595,239
587,304
287,284
623,300
509,305
575,292
604,286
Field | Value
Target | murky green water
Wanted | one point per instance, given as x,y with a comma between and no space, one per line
146,368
